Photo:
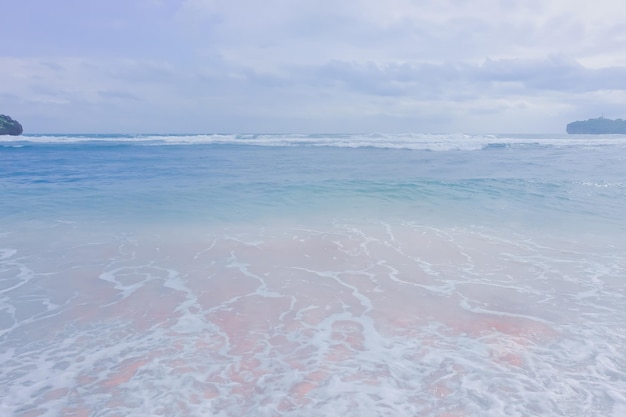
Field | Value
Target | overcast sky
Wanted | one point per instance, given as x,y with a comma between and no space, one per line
200,66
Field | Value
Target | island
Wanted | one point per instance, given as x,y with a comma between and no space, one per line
599,125
8,126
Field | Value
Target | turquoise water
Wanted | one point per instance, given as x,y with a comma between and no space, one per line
476,179
290,275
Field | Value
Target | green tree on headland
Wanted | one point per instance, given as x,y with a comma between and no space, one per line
8,126
597,126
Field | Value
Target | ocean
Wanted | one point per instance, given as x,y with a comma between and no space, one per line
312,275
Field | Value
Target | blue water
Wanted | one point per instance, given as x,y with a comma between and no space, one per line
482,179
280,275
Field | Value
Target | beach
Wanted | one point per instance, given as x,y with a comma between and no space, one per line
303,275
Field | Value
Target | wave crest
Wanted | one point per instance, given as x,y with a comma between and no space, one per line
408,141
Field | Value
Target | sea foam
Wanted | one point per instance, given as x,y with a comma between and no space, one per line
358,319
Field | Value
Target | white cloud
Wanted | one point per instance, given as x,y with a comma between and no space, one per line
280,31
312,65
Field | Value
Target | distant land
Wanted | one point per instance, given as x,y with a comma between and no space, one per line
597,126
8,126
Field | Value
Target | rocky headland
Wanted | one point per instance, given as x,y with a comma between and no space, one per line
597,126
9,126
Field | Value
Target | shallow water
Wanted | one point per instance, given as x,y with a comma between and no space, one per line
293,282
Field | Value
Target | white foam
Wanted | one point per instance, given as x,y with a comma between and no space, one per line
6,253
408,141
367,319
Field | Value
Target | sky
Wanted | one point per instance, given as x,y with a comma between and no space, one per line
311,66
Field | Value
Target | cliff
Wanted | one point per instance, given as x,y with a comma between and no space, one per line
597,126
8,126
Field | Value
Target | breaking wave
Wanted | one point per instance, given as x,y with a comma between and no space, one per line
408,141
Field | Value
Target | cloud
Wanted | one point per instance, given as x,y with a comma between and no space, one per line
446,80
553,74
122,95
280,31
329,94
281,65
